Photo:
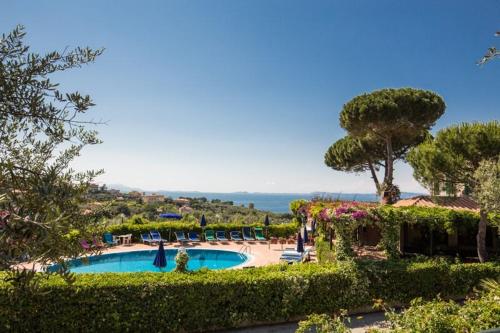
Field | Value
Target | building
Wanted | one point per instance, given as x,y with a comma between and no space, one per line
181,201
186,210
457,203
418,238
150,198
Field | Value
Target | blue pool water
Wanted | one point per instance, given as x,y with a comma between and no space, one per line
142,261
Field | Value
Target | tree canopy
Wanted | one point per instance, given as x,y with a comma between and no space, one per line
455,154
466,155
41,132
382,126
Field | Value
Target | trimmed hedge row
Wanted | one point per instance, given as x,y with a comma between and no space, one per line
210,300
167,229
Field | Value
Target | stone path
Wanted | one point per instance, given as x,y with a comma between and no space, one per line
359,324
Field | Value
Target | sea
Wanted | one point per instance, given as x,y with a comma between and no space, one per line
275,202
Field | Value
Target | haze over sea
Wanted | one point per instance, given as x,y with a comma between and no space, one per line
273,202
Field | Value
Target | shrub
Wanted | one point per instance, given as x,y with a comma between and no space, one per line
181,261
476,314
167,229
322,324
210,300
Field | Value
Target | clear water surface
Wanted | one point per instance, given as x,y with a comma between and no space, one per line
142,261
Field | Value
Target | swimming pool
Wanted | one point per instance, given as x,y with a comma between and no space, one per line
142,261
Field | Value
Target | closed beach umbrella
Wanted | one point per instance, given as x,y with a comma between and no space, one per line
313,226
266,221
203,221
300,243
160,259
306,236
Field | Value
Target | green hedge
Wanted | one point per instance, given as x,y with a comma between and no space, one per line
210,300
167,229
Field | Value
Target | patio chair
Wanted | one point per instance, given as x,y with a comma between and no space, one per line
235,235
156,236
221,236
210,236
86,246
291,255
127,239
97,243
259,234
194,236
247,234
146,239
109,239
180,236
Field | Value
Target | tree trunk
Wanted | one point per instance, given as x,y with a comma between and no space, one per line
481,237
374,177
387,196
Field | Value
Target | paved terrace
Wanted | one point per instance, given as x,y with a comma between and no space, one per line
261,253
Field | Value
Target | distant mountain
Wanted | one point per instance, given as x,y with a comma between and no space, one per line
123,188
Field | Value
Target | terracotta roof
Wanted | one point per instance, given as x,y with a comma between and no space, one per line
458,203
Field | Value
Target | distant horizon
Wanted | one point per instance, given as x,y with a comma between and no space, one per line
124,188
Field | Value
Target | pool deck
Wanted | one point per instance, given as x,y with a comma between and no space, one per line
259,253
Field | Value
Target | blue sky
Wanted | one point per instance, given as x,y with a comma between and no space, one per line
245,95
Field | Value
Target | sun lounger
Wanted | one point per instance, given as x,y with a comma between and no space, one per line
235,235
247,234
86,246
259,234
156,237
210,236
146,239
109,240
194,236
291,255
180,236
221,236
97,243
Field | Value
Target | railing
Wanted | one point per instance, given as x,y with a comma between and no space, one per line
245,249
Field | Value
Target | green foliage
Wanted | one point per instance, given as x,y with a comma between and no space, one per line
181,261
41,132
382,126
297,205
167,229
476,314
323,252
455,154
215,211
390,226
322,324
210,300
487,192
350,154
395,113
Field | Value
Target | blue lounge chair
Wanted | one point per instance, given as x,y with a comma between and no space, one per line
146,239
109,240
194,236
209,236
221,236
235,235
180,236
259,234
247,234
291,256
156,237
